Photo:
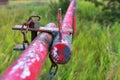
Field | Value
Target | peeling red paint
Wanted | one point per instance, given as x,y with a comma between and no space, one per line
63,46
29,64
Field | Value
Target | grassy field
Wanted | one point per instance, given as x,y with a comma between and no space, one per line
95,49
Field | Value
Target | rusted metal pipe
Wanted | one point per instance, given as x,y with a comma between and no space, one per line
28,65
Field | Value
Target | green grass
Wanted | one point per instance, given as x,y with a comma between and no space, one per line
95,49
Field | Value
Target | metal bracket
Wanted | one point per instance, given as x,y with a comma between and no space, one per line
20,46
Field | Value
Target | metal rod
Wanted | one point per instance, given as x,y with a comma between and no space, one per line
60,22
41,29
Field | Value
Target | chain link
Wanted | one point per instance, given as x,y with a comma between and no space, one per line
24,32
53,70
25,41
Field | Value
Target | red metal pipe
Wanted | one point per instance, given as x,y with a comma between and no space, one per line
67,22
29,64
62,49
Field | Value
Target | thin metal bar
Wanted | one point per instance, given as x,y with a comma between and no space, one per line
41,29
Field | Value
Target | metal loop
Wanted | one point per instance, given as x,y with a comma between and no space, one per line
25,41
53,70
28,22
27,25
51,76
31,18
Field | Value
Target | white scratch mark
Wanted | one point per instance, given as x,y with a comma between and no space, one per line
16,67
25,72
34,44
33,60
55,52
64,41
24,64
41,47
